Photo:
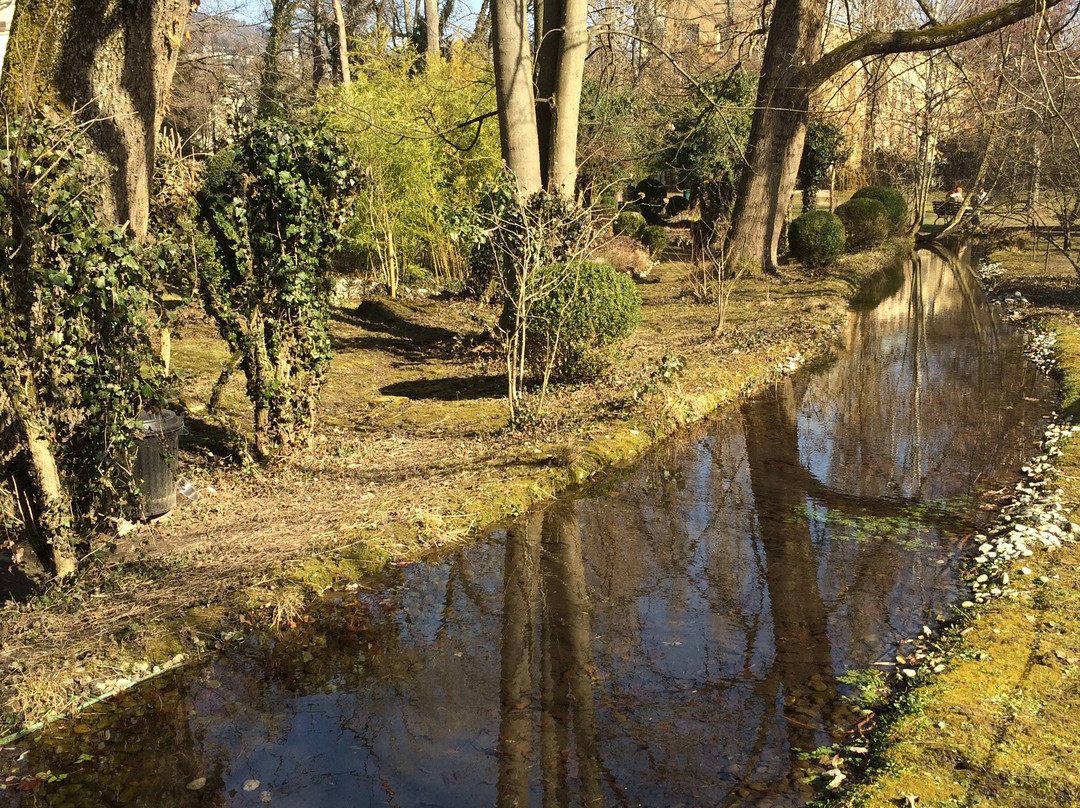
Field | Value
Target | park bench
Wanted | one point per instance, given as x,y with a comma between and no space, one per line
945,209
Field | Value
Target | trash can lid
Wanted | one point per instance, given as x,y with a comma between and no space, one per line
163,423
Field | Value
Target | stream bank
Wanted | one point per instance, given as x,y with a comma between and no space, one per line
998,724
412,458
678,634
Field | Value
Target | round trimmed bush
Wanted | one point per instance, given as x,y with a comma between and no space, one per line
628,223
891,199
654,239
866,223
816,238
590,307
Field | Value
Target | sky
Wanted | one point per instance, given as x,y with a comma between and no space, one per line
256,11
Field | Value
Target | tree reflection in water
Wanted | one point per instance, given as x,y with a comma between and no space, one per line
675,639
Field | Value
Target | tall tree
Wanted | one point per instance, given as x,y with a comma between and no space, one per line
431,22
111,64
270,85
342,43
539,120
791,71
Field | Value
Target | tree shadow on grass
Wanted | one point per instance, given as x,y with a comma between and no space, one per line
450,388
386,317
212,439
389,328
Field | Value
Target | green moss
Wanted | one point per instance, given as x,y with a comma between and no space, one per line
33,54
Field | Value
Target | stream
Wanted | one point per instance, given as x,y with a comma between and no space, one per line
675,636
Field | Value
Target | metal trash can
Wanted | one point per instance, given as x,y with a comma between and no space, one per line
155,462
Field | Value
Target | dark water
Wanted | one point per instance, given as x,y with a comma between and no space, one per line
672,641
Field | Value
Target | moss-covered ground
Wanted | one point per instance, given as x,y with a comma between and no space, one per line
413,455
1000,725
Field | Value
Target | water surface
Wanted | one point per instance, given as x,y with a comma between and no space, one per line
674,639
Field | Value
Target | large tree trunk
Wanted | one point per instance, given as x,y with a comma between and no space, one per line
776,133
514,93
790,72
539,121
562,140
112,62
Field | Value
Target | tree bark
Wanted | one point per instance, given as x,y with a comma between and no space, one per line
431,19
514,93
790,72
343,44
112,63
539,120
562,170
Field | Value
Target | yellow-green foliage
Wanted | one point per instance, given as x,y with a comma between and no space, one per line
402,121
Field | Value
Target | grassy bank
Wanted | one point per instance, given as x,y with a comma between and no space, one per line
412,458
998,726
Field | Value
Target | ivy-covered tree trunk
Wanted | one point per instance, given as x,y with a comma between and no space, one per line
274,207
112,63
76,364
270,89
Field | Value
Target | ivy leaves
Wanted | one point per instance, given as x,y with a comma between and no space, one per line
274,206
76,363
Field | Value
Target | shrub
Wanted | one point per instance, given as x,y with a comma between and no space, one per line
891,199
866,223
707,139
816,238
654,237
421,166
628,223
824,149
273,207
589,306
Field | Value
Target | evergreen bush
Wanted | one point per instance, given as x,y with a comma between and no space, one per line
628,223
589,307
654,238
866,223
273,207
816,238
891,199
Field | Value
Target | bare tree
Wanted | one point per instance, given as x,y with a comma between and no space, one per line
791,70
